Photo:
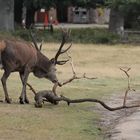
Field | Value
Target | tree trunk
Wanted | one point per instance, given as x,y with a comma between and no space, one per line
7,15
30,13
116,23
62,13
18,12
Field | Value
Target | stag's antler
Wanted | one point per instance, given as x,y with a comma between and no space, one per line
34,40
65,36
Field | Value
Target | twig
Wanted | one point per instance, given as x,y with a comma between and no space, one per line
31,88
74,77
128,85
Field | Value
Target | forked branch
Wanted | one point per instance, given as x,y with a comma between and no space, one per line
51,96
126,70
74,77
124,106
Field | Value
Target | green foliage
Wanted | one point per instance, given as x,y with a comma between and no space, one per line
124,6
37,4
87,35
87,3
49,3
131,18
129,9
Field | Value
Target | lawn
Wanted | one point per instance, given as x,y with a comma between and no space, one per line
78,121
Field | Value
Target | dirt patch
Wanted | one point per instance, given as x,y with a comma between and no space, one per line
116,125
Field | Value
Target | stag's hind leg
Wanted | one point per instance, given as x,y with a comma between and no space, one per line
3,80
1,66
24,77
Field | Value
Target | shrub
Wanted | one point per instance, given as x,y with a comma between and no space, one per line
86,35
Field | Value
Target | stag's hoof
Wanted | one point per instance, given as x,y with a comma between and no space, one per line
21,101
27,101
8,100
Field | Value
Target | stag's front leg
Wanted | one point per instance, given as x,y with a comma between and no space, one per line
3,80
24,77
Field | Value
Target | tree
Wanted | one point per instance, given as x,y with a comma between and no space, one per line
32,6
18,11
7,15
119,10
132,19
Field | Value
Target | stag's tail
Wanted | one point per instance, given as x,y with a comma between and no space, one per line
2,47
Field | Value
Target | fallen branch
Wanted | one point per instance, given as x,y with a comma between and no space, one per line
69,101
51,96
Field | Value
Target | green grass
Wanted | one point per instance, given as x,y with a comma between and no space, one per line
77,121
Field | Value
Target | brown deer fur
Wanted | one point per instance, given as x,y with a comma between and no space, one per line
22,57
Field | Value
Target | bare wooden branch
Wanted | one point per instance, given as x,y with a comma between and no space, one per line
54,88
126,71
51,96
128,84
74,77
31,88
69,101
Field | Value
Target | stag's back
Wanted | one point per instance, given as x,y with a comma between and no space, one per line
2,45
16,54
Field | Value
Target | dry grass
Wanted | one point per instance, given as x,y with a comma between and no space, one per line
77,122
101,60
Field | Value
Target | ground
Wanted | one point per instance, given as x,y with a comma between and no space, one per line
68,25
78,121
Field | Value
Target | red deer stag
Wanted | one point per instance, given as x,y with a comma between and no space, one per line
22,57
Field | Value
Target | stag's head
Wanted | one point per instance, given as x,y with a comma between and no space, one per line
46,68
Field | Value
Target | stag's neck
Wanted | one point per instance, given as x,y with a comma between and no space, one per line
42,60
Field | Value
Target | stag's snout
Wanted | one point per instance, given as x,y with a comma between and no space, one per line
55,81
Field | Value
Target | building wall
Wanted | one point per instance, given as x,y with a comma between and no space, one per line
52,14
43,16
99,15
